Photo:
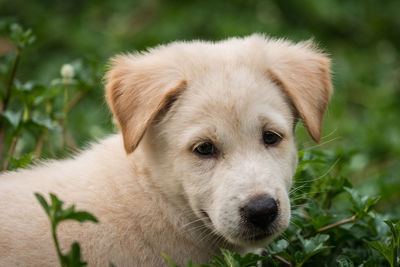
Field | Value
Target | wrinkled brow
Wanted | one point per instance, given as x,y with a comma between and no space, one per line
276,121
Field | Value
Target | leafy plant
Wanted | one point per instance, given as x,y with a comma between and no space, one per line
228,259
32,114
58,214
389,251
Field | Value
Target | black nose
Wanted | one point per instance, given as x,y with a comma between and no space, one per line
260,211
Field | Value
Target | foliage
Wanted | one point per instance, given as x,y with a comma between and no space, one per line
228,259
58,214
390,251
51,102
34,116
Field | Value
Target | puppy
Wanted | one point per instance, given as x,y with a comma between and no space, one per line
204,160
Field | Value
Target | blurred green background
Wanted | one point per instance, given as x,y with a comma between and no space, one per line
363,38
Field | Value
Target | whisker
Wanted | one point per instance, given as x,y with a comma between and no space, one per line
322,143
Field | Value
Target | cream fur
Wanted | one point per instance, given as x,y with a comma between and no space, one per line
147,187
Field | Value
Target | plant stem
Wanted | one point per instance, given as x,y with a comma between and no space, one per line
39,145
278,258
2,137
71,143
11,80
54,234
11,151
65,116
282,260
75,100
330,226
51,150
6,101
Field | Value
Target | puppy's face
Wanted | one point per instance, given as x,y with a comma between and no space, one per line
218,125
227,145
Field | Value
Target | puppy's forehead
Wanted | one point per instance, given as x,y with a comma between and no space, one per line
234,97
230,78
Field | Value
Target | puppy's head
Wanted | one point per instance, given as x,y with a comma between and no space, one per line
216,123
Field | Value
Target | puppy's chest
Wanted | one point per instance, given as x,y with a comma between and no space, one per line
146,249
140,238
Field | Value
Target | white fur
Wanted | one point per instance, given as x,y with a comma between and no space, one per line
152,200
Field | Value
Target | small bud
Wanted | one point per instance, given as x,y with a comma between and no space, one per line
67,72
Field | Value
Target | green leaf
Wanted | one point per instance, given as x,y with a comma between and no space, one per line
249,259
218,262
395,230
361,205
57,214
56,204
229,258
13,117
384,249
21,162
20,37
371,202
320,220
344,261
355,199
80,216
277,246
311,247
315,243
24,87
45,121
15,32
233,259
29,92
73,257
169,260
318,216
43,203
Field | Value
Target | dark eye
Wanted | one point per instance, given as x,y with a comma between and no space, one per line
205,149
271,138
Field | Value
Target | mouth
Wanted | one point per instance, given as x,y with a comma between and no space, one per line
249,238
256,237
247,235
205,216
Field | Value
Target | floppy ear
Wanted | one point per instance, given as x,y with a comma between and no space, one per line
137,89
304,75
